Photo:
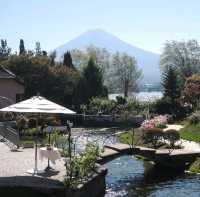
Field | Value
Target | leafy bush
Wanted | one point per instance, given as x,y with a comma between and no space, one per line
81,166
195,166
153,136
166,106
191,90
102,105
128,137
161,126
134,105
120,100
163,106
173,136
194,118
61,142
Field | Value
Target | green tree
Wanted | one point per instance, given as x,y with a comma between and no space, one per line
100,56
125,73
57,83
191,91
38,51
4,50
170,102
170,84
93,80
44,53
52,57
183,56
67,60
21,47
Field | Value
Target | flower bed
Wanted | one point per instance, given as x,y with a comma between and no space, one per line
156,122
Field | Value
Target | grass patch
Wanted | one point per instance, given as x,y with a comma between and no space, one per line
195,166
191,132
126,137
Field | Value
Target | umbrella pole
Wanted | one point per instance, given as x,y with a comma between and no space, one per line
69,147
48,166
36,151
35,170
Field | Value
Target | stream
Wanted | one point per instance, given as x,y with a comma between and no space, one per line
128,176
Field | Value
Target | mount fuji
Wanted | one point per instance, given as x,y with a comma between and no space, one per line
147,61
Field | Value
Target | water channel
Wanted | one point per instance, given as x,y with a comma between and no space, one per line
128,176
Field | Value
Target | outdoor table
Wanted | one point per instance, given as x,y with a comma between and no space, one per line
52,155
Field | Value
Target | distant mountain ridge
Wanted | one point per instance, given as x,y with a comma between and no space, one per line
147,61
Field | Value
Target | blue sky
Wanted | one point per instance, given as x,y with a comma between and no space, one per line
143,23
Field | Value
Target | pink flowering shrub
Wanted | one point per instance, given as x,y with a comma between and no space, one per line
157,120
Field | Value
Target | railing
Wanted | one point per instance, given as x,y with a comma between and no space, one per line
9,134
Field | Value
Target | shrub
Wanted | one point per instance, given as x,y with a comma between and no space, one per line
191,91
120,100
81,166
163,106
62,143
166,106
173,136
195,166
134,105
153,136
97,105
194,118
126,137
161,126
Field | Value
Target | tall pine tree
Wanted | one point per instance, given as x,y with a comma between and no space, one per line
67,61
93,80
38,51
4,50
170,84
21,47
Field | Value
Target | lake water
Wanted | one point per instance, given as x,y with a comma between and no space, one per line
141,96
130,177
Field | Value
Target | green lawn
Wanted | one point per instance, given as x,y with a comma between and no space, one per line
125,137
191,132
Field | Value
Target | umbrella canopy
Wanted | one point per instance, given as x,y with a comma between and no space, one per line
37,104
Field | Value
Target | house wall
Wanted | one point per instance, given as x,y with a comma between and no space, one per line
10,88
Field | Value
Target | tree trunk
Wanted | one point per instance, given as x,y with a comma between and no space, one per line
126,89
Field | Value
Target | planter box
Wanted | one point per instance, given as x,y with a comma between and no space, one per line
33,186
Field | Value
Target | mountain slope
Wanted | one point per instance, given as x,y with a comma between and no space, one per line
147,61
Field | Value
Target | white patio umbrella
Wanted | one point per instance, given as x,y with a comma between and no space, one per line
38,105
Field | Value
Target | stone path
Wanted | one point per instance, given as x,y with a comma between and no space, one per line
173,126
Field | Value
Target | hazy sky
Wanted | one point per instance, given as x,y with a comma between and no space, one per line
143,23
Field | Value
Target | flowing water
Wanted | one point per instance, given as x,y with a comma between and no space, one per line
128,176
